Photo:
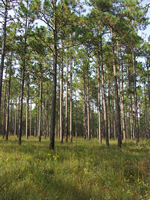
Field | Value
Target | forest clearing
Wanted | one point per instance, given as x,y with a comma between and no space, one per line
81,170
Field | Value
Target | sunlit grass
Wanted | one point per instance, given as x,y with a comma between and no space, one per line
82,170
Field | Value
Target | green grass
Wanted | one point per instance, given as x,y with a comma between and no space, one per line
83,170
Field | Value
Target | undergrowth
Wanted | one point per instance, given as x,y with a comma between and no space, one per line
82,170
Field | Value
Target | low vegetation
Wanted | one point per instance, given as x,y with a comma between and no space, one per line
83,170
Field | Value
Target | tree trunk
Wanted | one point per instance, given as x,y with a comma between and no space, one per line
122,106
3,48
53,111
85,109
22,84
61,98
76,125
104,97
117,98
66,113
88,104
4,112
31,119
109,111
99,107
130,99
8,99
148,94
135,100
27,109
15,123
71,101
40,108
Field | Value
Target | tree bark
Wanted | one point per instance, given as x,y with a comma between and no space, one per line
99,109
76,124
85,109
3,48
122,106
130,99
8,99
104,97
109,111
71,101
53,110
135,100
66,113
4,109
117,98
27,108
40,106
88,104
61,98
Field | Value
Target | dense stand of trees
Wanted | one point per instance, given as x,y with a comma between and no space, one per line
69,73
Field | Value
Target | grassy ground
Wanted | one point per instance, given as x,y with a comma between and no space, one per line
84,170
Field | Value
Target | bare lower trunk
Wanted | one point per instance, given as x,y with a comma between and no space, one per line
66,113
53,110
122,106
61,100
27,109
99,110
76,125
109,111
7,119
3,48
88,106
4,112
117,98
15,122
135,101
104,98
31,119
85,109
71,101
40,109
131,110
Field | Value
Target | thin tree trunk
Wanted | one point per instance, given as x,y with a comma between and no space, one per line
114,120
31,119
27,108
46,112
61,98
8,99
40,108
99,110
76,124
122,105
104,97
4,112
53,110
71,101
131,109
3,48
148,94
85,109
88,105
22,84
109,111
66,113
117,98
135,100
15,123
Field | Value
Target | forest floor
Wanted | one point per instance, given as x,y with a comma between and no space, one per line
83,170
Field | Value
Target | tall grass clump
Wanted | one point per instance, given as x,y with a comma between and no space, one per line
82,170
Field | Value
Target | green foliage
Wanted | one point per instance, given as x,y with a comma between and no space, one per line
82,170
